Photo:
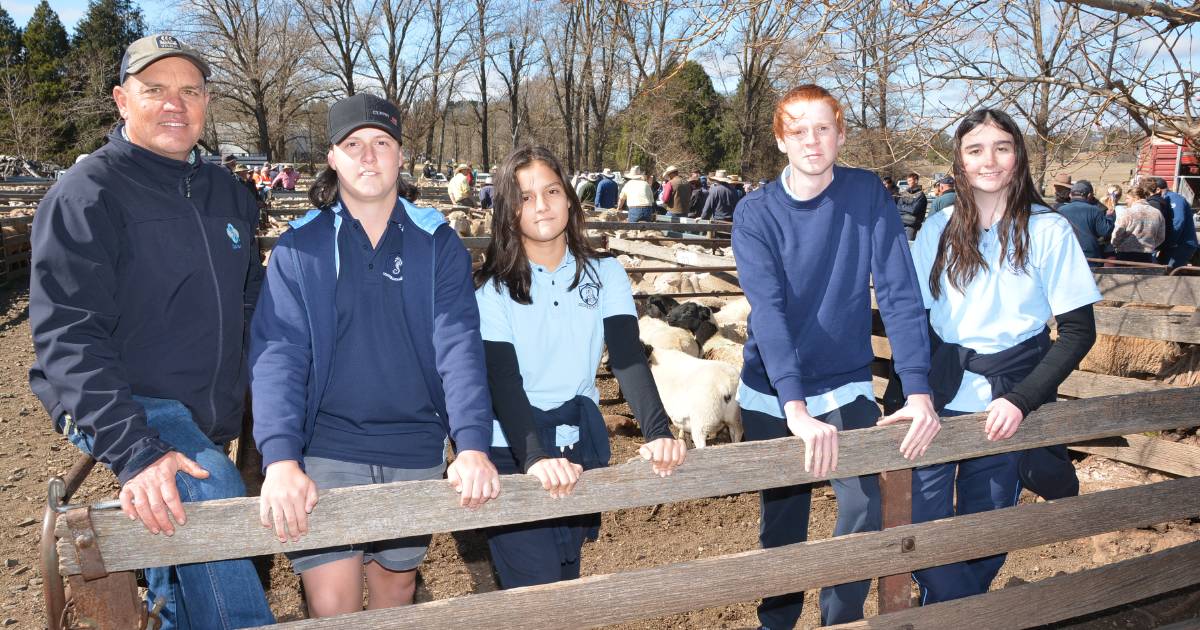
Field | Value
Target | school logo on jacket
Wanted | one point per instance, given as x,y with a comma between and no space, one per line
393,271
590,294
234,236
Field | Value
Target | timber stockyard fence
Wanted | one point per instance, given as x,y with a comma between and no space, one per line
105,543
96,550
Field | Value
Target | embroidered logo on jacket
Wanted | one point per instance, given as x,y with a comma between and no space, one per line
233,235
590,294
393,273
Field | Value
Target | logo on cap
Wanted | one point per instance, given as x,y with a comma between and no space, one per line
167,41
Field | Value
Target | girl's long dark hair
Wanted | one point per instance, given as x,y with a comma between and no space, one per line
505,262
323,192
958,249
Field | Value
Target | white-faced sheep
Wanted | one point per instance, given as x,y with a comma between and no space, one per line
736,311
699,396
726,346
663,336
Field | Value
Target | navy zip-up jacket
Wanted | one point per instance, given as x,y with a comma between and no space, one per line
145,273
293,333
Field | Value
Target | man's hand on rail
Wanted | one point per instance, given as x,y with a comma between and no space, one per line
473,476
925,425
1003,419
151,494
820,438
288,496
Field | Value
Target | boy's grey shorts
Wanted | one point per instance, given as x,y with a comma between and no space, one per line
397,554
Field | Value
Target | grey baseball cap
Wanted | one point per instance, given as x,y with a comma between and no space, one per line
151,48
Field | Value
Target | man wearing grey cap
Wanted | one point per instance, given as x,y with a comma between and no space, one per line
145,272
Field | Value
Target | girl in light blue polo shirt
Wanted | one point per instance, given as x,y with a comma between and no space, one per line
994,268
548,304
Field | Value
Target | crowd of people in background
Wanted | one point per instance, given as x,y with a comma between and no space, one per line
1145,223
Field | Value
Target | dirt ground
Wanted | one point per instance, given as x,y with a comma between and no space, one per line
30,453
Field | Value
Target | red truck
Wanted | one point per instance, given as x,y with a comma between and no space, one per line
1176,161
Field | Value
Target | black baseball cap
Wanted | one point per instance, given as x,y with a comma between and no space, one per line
1082,188
362,110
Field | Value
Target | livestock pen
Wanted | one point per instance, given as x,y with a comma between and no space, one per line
226,529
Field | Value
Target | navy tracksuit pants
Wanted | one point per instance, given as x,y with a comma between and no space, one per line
541,552
785,513
981,484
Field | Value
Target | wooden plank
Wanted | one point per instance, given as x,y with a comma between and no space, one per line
267,243
1053,599
1079,384
659,252
659,225
647,593
1148,324
895,486
1147,452
229,528
1170,290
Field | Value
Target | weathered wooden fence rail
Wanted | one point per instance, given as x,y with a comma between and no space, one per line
230,529
646,593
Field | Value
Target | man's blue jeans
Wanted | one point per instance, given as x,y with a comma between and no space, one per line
640,213
225,594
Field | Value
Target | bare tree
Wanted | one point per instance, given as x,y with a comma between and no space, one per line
519,56
1175,16
482,44
337,29
394,58
26,126
561,48
256,49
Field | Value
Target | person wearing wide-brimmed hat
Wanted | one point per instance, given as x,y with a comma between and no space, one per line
637,196
587,189
459,186
721,197
1062,189
677,192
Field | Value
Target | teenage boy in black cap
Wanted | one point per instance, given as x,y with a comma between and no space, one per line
366,357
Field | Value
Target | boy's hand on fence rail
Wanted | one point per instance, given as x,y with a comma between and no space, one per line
557,474
664,455
473,476
1003,419
288,496
151,494
925,425
820,438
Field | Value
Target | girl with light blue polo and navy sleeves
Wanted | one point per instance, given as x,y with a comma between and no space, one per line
548,304
994,268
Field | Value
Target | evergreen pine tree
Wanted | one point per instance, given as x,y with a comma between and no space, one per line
10,40
46,51
100,40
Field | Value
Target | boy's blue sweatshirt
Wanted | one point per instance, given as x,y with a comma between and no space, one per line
806,268
292,335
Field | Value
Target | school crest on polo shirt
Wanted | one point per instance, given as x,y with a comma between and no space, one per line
394,269
590,294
